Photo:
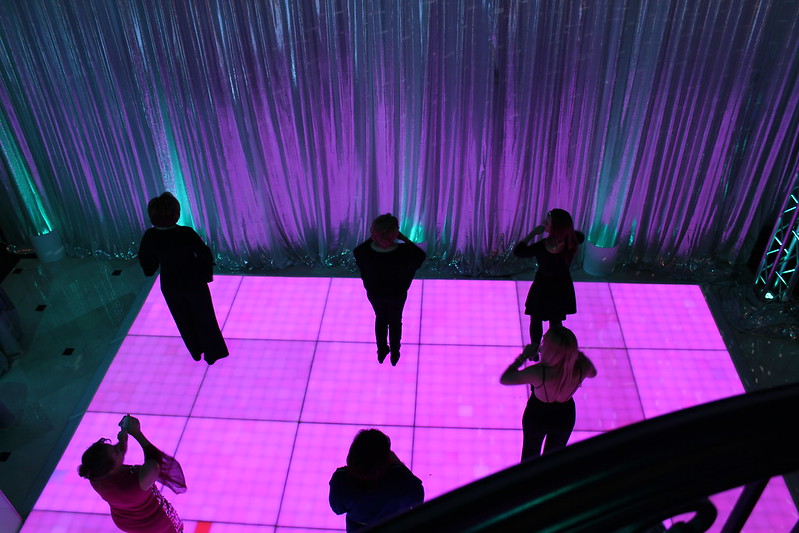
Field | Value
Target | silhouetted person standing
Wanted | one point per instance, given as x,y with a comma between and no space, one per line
186,270
375,484
550,413
551,296
387,269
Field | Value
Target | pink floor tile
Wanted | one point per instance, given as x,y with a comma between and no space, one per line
459,387
772,513
595,324
665,316
610,400
277,308
294,356
61,521
670,380
67,491
349,386
349,315
155,318
261,380
470,312
154,375
445,459
320,449
235,470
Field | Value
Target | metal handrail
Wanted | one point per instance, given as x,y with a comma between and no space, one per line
625,479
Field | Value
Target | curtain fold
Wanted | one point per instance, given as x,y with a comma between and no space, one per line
284,128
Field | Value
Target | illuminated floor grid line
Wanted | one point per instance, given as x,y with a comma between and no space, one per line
260,433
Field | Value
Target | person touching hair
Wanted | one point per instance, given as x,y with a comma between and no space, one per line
136,503
551,296
550,413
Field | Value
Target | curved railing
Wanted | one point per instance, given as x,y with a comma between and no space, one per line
633,478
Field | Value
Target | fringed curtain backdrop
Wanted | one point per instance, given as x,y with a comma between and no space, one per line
285,127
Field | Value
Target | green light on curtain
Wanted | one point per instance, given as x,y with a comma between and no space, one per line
416,233
22,178
173,178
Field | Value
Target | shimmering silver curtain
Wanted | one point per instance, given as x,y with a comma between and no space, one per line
284,127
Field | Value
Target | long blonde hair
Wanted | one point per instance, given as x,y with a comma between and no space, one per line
560,353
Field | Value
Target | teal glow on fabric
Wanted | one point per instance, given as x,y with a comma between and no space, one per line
284,128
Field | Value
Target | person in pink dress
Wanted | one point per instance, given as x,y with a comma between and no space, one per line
136,503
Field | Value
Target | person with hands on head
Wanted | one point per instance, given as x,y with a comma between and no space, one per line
551,296
135,501
550,413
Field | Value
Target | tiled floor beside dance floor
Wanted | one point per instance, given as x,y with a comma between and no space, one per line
260,433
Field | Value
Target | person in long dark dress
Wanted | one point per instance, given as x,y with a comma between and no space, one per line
137,506
375,484
387,269
186,270
551,296
550,413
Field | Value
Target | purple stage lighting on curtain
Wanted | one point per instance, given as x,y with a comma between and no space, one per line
284,128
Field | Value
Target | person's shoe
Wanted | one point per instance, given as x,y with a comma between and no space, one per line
196,356
395,355
381,354
210,359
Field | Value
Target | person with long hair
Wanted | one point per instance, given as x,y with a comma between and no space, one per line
187,266
137,506
387,269
375,484
551,296
550,413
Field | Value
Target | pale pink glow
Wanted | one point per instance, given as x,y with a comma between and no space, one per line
770,512
670,380
277,309
610,400
67,491
320,449
262,380
155,319
458,387
578,435
596,324
470,312
448,458
235,469
349,386
349,315
129,385
260,433
665,316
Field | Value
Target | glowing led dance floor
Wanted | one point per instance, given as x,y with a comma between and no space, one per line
260,433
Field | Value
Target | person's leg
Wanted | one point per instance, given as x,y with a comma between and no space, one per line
532,429
394,309
182,313
561,424
214,346
381,326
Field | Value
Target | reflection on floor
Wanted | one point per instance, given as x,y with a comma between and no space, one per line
260,433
